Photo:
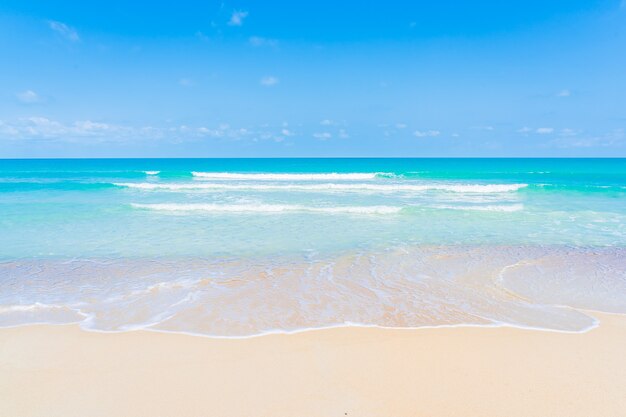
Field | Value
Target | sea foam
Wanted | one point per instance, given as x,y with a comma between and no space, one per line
423,286
354,187
290,177
267,208
493,207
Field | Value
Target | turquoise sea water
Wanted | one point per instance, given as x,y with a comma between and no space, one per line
79,237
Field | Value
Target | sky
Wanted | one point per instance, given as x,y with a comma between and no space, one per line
310,79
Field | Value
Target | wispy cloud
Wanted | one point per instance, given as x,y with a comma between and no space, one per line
44,128
223,131
613,139
89,131
185,82
29,97
546,131
269,81
202,36
426,133
260,42
64,30
237,18
326,122
564,93
569,132
322,135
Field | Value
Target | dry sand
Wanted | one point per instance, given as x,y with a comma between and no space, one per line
64,371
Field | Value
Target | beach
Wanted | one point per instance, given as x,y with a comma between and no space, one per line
457,371
313,287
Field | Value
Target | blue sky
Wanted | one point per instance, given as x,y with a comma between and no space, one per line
325,78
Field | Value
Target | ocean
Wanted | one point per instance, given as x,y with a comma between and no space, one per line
242,247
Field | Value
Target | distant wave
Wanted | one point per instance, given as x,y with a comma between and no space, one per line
267,208
290,177
25,186
496,207
460,188
152,172
580,187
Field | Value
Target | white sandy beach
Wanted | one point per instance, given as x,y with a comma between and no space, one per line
466,371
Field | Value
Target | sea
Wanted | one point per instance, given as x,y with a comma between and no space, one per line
246,247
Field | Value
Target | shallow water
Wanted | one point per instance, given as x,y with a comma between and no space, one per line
242,247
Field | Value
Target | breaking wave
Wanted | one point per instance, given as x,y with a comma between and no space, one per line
267,208
458,188
290,177
498,207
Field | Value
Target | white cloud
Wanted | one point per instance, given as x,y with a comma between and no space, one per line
539,130
37,128
223,131
28,97
204,38
614,138
236,19
259,41
322,135
400,126
426,133
569,132
90,127
564,93
269,81
43,128
64,30
326,122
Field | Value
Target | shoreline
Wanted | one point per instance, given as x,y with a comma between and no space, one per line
61,370
408,287
278,332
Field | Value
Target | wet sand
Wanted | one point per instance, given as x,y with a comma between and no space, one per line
465,371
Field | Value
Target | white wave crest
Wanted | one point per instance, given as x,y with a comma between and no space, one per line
268,208
500,207
459,188
29,307
289,177
152,172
